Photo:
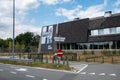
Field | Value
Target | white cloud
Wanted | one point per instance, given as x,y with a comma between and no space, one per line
22,8
117,10
117,3
54,2
117,6
21,28
92,11
27,4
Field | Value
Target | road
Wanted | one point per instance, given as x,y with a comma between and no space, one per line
87,71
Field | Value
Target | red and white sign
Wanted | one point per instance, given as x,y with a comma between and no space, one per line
59,53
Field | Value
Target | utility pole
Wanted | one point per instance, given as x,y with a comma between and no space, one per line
13,43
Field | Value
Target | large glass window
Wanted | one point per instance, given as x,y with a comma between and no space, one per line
100,31
112,30
118,29
106,31
94,32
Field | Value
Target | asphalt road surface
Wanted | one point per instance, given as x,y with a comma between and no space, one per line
85,71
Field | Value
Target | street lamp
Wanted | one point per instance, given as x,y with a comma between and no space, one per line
13,29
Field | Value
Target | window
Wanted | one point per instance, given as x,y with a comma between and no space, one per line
94,32
100,31
118,29
106,31
112,30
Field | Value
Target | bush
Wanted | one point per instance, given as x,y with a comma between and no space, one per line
113,52
104,52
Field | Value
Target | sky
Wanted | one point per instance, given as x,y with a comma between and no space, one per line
31,15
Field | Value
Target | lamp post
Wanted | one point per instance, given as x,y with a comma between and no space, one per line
13,29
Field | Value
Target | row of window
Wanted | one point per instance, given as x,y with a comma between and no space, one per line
94,45
105,31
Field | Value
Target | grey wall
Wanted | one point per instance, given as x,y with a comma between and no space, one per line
74,31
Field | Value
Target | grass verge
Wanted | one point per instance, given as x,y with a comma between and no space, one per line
39,64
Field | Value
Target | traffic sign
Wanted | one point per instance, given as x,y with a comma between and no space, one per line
59,53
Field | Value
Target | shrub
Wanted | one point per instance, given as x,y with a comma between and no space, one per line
104,52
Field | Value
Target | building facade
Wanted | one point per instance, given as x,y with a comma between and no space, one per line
89,33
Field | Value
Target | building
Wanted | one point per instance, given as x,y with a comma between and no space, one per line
90,33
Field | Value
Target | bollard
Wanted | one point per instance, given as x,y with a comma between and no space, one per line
94,59
63,61
112,60
67,62
102,59
53,60
46,59
79,58
72,58
86,59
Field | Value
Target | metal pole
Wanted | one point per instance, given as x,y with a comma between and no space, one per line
13,29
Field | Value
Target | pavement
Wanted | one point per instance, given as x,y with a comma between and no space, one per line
84,71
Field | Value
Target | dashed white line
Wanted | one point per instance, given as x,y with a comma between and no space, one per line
112,74
102,74
30,76
1,70
21,69
92,73
83,73
44,79
12,72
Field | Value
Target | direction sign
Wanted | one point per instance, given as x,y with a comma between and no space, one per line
59,39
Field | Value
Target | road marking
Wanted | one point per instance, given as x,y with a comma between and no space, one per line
102,74
44,79
83,73
21,69
86,65
1,69
12,72
112,75
30,76
92,73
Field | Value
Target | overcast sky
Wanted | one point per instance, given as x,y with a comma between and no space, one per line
31,15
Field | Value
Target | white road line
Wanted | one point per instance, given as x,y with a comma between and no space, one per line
1,70
102,74
12,72
21,69
112,75
44,79
86,65
30,76
83,73
92,73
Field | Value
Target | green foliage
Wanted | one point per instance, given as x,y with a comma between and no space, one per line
113,52
39,64
23,40
104,52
